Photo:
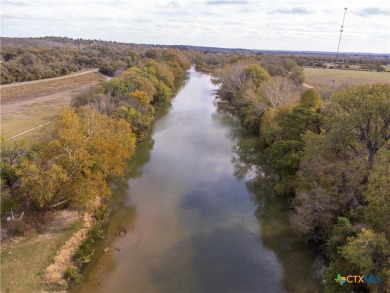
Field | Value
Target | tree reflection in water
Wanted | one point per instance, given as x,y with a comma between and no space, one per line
250,164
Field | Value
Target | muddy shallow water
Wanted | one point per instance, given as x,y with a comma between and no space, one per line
196,217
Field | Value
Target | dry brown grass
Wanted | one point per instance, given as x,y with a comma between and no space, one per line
322,79
22,92
25,106
54,273
23,259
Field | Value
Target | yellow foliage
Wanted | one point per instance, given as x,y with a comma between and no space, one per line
270,129
140,96
43,182
86,147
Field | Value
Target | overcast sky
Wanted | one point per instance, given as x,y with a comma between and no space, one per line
266,24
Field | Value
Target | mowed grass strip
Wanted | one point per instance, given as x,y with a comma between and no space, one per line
23,262
26,106
27,91
31,116
322,79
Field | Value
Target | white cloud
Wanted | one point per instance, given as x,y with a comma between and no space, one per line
293,24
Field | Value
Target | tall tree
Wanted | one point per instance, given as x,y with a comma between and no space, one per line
84,149
360,117
336,165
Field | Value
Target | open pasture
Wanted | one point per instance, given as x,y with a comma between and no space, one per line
25,106
322,79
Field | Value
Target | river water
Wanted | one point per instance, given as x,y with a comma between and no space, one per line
198,214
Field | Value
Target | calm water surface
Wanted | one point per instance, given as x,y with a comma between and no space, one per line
196,218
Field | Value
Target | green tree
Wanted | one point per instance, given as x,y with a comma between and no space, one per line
370,252
139,122
255,74
271,128
107,69
360,118
311,99
339,161
297,75
12,154
152,53
330,184
164,93
282,129
377,194
338,237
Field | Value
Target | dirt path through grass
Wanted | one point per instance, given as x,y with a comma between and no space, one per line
26,107
28,130
49,79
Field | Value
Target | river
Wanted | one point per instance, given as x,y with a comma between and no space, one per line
198,213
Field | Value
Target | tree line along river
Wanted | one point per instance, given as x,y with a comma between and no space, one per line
194,213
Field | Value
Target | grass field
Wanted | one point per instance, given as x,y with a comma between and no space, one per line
322,79
30,116
20,117
30,90
25,106
23,260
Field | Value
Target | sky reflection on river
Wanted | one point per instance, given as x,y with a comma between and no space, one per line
196,222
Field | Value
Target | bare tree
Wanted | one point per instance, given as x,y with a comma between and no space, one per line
232,78
272,93
280,91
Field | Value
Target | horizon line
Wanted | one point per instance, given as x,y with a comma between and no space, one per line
387,54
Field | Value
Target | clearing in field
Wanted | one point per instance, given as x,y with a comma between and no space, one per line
26,106
322,79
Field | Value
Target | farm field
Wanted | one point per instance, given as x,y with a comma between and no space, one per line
25,106
322,79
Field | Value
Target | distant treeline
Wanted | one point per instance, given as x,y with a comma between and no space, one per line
30,59
331,158
360,61
24,59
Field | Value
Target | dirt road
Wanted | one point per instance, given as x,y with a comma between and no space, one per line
307,86
49,79
27,106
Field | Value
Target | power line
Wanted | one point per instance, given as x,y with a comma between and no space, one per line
338,47
341,32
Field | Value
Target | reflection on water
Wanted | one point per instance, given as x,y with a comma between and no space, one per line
197,219
272,211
